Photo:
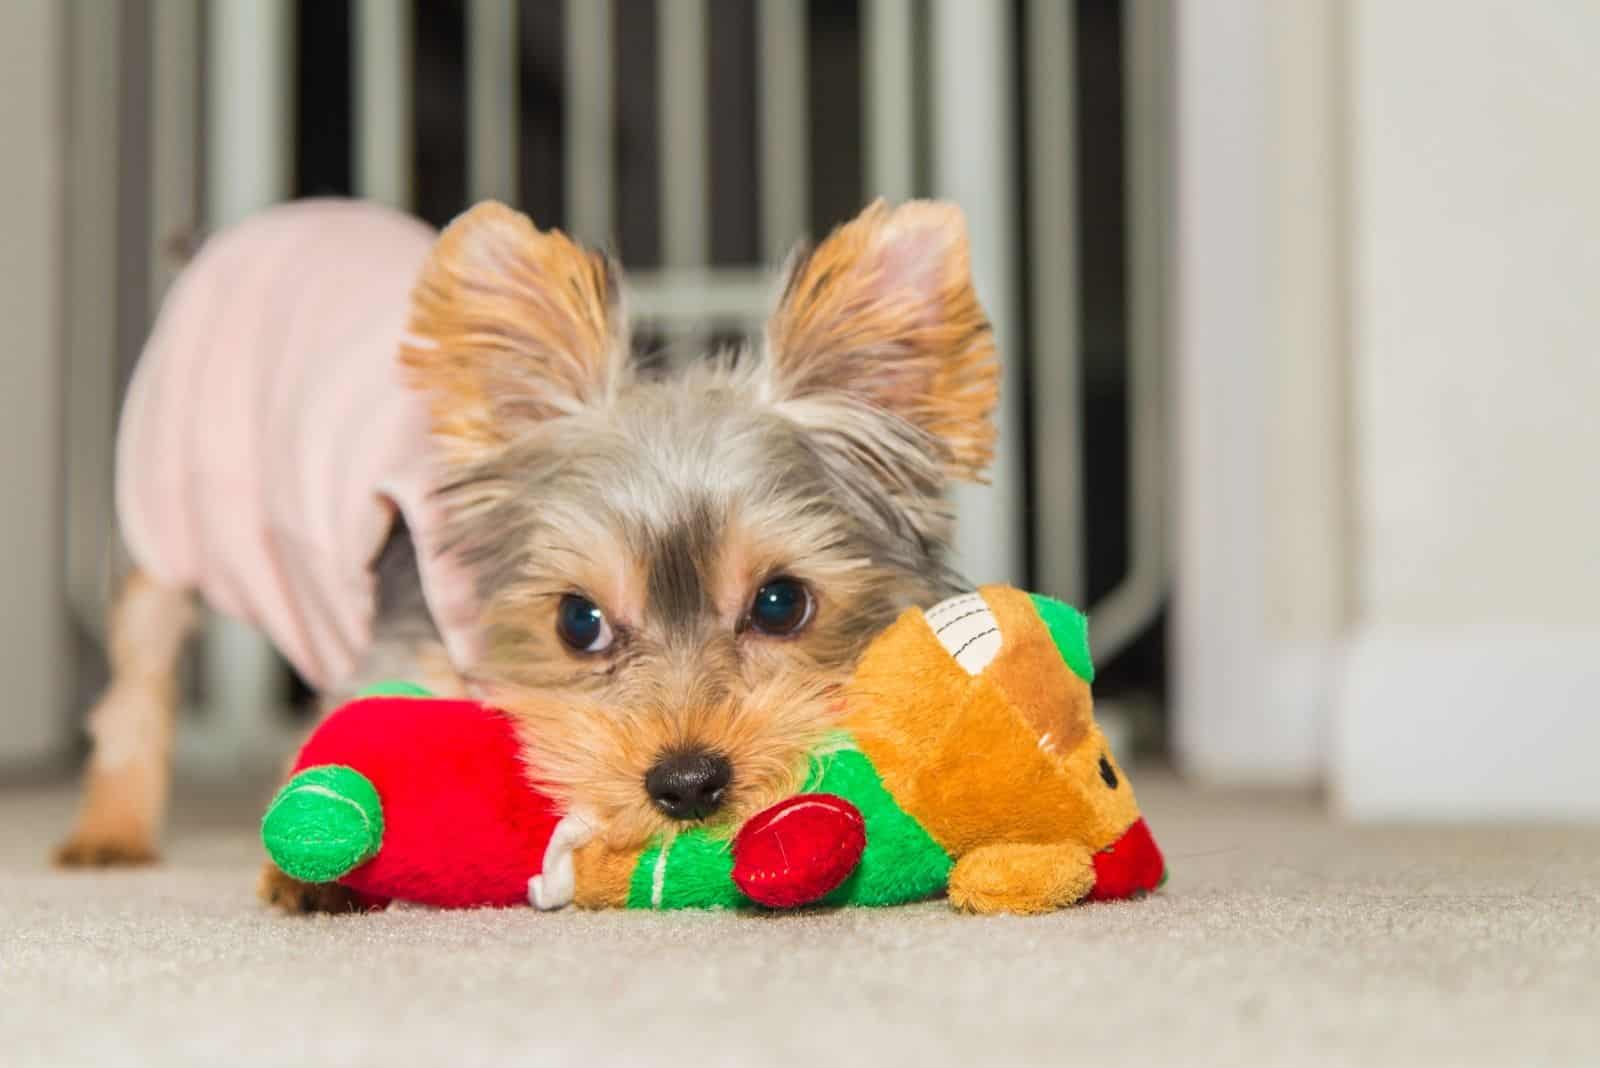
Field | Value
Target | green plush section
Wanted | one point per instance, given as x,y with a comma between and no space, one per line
1069,629
901,862
324,823
394,688
698,874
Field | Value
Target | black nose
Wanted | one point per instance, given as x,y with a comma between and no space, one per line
688,786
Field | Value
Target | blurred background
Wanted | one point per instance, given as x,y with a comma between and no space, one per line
1296,299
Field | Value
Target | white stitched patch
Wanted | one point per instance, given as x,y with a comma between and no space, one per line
967,629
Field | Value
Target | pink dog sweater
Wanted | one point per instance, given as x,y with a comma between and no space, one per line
268,437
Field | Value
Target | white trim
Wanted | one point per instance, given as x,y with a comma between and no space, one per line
1487,721
557,881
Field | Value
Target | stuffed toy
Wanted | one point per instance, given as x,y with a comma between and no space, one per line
967,762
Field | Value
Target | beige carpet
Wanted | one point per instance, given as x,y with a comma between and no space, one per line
1281,939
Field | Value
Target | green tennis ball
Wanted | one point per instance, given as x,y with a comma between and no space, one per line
1069,629
325,822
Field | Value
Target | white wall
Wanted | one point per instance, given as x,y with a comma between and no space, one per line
1388,356
1474,680
33,720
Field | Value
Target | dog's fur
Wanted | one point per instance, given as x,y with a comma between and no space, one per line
822,454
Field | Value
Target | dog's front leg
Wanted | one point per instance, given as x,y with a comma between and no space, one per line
128,778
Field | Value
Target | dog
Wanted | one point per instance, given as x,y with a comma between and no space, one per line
669,575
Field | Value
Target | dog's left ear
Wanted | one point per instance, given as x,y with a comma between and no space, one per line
512,326
884,312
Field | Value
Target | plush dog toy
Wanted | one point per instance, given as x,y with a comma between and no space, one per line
968,761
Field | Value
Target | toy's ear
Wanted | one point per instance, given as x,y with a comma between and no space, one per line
512,326
884,312
1069,629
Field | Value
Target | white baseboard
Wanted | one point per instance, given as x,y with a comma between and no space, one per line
1496,722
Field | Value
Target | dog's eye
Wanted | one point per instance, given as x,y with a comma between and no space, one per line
782,607
582,625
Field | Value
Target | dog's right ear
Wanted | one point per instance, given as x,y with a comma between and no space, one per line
511,326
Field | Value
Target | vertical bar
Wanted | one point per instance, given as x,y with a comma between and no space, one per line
34,45
493,124
93,43
890,121
1131,607
591,178
785,145
685,211
382,94
684,149
248,107
1057,356
175,137
247,127
973,157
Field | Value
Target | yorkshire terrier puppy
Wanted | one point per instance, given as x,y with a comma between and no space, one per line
676,571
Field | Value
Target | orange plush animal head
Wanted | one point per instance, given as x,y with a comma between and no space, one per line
978,718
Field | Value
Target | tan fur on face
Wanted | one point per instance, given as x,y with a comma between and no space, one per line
884,309
594,755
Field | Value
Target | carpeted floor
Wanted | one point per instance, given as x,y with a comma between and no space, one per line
1280,939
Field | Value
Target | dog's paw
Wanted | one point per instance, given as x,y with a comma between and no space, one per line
85,850
292,897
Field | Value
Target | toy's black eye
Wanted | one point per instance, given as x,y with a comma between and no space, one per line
1107,772
782,608
581,624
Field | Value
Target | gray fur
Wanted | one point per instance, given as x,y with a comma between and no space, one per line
668,464
402,627
681,558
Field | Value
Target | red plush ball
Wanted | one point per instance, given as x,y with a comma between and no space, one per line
799,850
462,824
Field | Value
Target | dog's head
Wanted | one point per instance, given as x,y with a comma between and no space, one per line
680,570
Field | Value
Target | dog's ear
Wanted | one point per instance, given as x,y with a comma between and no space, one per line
884,311
511,326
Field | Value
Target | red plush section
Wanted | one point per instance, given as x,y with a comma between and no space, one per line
1130,865
799,850
462,826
